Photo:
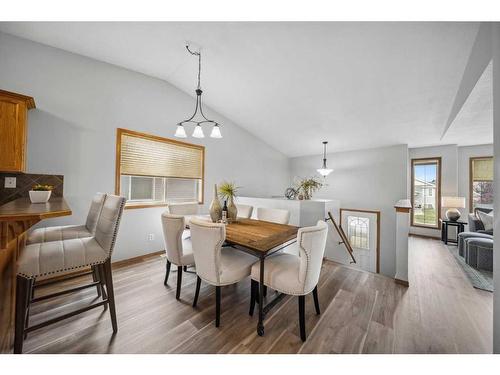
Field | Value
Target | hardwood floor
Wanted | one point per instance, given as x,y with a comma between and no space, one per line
361,313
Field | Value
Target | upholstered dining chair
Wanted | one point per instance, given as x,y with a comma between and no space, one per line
295,275
67,232
188,210
216,265
244,211
177,246
57,258
273,215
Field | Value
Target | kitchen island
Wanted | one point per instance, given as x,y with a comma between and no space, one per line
16,218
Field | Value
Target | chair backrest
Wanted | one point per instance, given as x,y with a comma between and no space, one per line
183,208
244,211
207,239
273,215
173,227
94,211
312,243
109,222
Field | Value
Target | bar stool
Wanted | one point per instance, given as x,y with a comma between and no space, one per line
48,259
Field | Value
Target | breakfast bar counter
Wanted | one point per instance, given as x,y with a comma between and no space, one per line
16,218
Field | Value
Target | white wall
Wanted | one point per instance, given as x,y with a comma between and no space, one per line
454,174
80,103
365,179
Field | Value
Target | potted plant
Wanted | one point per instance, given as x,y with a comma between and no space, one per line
40,193
307,186
227,191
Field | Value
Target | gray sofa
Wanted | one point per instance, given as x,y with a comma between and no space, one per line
476,245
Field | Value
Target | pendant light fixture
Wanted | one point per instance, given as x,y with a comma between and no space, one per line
324,171
198,116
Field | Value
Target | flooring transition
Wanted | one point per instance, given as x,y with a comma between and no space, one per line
361,313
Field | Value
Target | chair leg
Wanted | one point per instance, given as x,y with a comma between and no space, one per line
22,294
179,282
302,317
185,268
253,295
316,300
30,295
196,294
167,272
217,306
102,279
111,294
95,277
265,291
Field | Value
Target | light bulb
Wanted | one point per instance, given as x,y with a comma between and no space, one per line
324,171
180,132
198,132
215,132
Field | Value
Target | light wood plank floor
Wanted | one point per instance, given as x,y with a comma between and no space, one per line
361,313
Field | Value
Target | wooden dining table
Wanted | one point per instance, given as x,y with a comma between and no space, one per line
260,239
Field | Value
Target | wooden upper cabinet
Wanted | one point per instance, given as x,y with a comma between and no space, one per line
13,130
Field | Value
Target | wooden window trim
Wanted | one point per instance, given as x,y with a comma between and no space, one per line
120,132
471,161
438,193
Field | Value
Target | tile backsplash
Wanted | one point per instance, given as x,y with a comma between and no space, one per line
24,183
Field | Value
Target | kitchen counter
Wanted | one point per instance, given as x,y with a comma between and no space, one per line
16,218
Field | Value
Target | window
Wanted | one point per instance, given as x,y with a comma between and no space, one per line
155,171
357,232
426,192
481,182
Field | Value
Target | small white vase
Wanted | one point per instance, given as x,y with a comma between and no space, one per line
38,196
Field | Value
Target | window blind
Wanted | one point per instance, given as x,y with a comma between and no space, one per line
482,169
159,158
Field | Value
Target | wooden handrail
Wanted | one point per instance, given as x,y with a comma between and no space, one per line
343,237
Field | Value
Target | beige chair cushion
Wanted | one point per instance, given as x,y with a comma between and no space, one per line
183,208
42,259
177,240
68,232
273,215
58,233
244,211
235,265
281,272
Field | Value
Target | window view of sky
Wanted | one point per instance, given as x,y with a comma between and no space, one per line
426,172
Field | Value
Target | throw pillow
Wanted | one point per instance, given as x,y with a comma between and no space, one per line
486,219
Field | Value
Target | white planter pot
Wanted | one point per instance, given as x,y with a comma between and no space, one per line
39,196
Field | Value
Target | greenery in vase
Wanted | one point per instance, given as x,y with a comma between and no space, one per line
39,187
308,186
227,190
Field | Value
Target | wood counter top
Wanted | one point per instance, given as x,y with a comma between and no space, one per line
23,209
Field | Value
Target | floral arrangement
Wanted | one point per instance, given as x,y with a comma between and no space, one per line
227,190
40,187
307,186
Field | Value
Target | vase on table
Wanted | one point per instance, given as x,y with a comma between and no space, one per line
232,210
215,207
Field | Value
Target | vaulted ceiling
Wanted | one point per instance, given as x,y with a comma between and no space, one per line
357,85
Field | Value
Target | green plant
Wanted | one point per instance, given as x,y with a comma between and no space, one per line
227,190
40,187
308,186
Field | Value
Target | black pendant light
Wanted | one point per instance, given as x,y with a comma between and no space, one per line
324,171
198,116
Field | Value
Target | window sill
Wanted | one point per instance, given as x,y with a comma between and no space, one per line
426,226
144,205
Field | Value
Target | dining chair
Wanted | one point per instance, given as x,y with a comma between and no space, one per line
188,210
177,246
244,211
216,265
67,232
57,258
274,215
295,275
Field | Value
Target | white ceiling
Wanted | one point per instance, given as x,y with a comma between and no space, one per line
357,85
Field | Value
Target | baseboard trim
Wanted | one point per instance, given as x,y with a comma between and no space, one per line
402,282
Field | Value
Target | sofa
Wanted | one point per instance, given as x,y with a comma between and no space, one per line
476,225
476,245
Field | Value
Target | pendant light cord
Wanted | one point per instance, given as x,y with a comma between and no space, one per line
199,64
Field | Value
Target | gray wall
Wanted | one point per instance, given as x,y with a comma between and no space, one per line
365,179
80,103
